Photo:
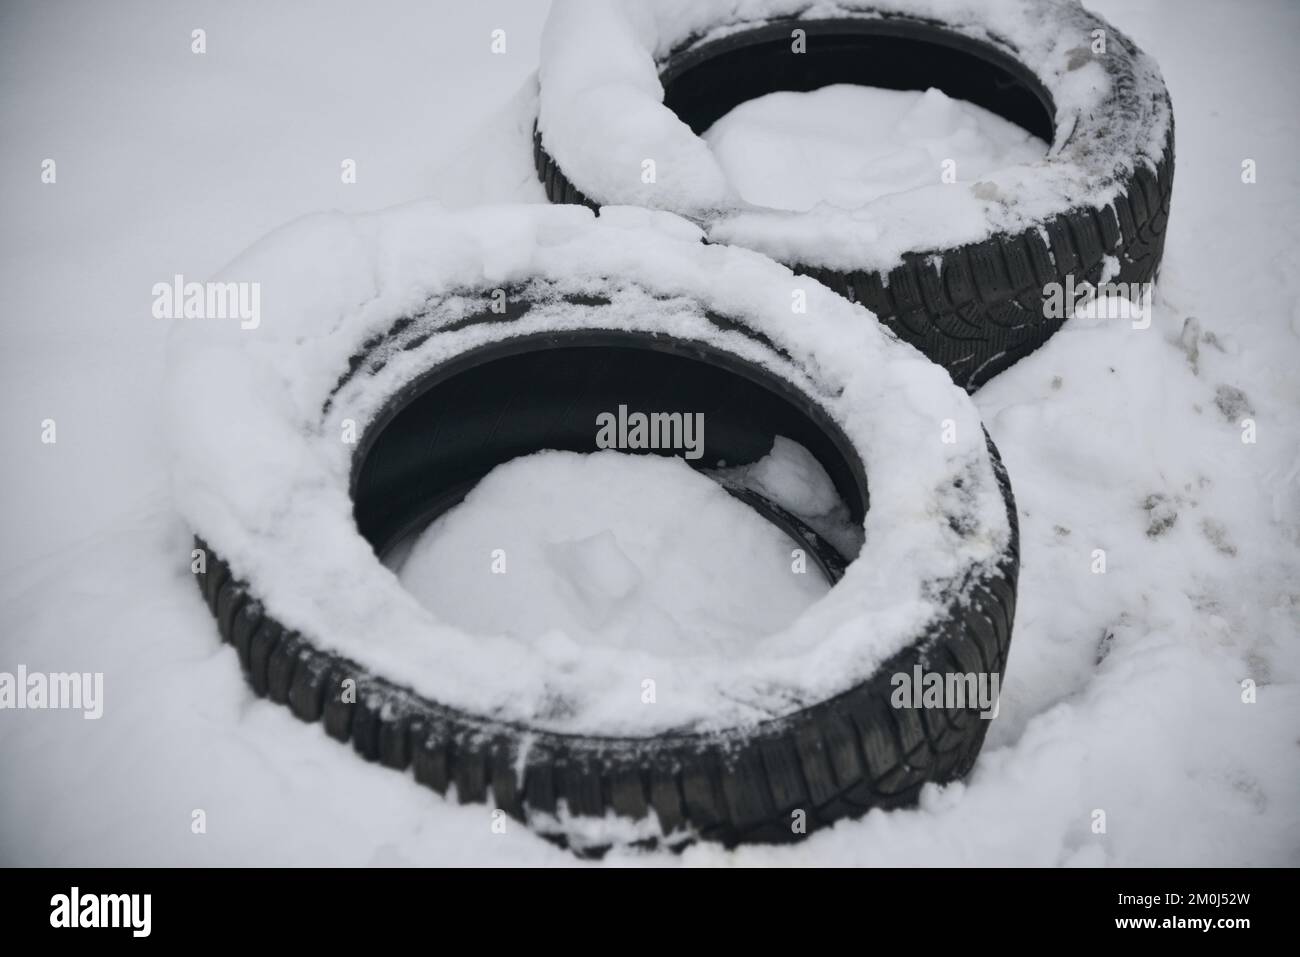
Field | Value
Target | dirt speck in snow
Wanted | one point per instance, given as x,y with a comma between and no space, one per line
1232,402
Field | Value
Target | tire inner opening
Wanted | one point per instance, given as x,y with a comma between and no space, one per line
703,84
442,433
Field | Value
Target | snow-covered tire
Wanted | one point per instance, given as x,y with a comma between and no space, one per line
972,299
451,387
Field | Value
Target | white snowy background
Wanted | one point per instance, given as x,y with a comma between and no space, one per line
1123,690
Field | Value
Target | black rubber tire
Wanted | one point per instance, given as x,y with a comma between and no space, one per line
834,759
983,310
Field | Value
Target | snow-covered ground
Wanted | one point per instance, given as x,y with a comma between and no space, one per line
1124,688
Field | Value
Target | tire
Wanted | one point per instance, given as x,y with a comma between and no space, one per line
973,307
511,392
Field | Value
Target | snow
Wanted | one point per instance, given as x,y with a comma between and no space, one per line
95,557
610,549
795,151
790,476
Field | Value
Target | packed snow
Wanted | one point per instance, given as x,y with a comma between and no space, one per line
846,145
1124,689
610,549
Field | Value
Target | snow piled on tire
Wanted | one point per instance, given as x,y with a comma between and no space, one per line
262,475
601,116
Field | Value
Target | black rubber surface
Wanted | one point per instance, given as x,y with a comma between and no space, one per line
835,758
984,308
